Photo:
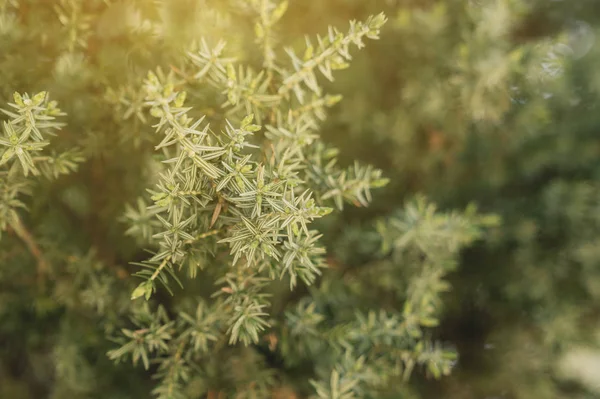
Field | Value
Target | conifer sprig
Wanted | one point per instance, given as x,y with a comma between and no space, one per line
25,136
331,53
253,191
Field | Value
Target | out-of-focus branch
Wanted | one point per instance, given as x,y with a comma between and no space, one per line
43,267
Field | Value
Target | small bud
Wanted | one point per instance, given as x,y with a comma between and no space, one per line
156,112
6,156
259,30
144,289
231,72
434,369
308,53
324,211
247,120
330,153
152,78
337,66
279,11
180,99
158,196
232,98
18,99
376,22
168,90
266,249
239,182
380,183
39,98
330,101
252,128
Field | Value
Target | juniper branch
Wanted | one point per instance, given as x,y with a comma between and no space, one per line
43,267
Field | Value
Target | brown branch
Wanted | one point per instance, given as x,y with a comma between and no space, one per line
43,267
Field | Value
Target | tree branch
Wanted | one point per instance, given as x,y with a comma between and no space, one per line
43,267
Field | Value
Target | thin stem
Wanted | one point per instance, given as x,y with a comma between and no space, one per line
169,378
159,269
309,65
43,267
321,102
204,235
267,44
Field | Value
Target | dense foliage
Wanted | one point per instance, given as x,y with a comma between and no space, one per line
268,172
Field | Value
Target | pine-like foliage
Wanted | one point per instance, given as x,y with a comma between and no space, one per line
201,143
189,208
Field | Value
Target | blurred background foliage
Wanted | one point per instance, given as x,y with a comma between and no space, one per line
496,105
492,102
